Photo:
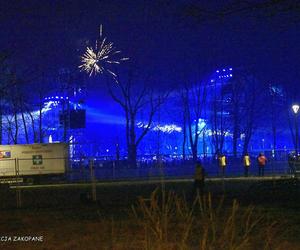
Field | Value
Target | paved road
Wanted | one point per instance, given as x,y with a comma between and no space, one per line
144,182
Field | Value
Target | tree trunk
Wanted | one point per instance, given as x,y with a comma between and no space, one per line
247,139
132,155
184,137
204,143
132,147
195,152
1,125
25,128
34,132
16,128
235,137
40,124
274,129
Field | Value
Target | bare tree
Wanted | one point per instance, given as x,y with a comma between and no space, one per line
194,99
5,79
184,122
38,127
246,101
135,100
33,127
12,107
237,101
236,109
250,109
218,117
278,103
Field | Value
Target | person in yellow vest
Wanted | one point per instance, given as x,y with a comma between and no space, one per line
247,163
199,178
222,163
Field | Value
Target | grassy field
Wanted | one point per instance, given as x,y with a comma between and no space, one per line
232,215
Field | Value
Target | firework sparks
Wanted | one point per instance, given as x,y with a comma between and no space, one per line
97,61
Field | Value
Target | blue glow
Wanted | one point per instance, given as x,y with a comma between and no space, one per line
105,125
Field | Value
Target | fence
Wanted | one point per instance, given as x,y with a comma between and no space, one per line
80,170
88,171
106,170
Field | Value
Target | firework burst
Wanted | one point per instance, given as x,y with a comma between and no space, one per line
98,60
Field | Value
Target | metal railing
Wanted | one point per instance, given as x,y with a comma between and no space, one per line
118,170
89,171
79,170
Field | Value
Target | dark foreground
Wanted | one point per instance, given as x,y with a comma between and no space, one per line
67,219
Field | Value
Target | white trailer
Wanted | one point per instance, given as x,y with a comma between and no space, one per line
33,160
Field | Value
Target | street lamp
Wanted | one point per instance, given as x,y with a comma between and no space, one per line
295,109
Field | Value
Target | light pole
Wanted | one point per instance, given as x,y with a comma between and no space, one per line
295,109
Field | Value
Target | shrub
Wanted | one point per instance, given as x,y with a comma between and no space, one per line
169,221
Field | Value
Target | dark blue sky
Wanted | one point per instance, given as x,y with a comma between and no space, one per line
159,36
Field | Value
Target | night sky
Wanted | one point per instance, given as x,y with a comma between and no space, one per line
165,39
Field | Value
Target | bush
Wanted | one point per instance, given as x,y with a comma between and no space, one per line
171,222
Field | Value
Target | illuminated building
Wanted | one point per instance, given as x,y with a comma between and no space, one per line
95,126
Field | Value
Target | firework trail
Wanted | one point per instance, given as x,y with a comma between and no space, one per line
98,60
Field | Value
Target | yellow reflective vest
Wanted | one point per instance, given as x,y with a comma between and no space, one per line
247,161
222,161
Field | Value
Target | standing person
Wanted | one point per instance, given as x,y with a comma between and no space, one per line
222,163
261,160
199,179
247,163
292,163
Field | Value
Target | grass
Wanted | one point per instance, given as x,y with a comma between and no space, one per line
252,215
170,222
